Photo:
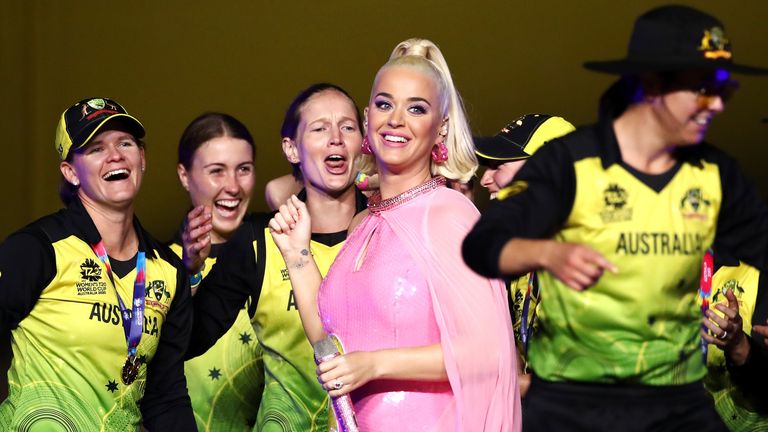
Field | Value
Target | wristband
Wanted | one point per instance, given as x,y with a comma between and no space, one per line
361,181
195,279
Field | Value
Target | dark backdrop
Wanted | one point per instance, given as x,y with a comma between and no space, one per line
168,61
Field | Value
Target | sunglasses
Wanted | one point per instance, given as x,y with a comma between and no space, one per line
723,89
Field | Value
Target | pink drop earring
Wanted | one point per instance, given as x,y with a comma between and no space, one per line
366,147
439,153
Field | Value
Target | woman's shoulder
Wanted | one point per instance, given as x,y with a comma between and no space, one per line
451,203
52,227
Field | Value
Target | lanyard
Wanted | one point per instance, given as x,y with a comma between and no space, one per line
705,290
133,320
526,328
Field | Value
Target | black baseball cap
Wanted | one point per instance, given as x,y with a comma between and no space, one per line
80,122
521,138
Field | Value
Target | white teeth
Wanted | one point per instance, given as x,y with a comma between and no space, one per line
228,203
335,157
115,173
703,121
394,138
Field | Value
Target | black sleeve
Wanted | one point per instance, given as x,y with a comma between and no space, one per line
166,405
236,275
742,226
544,192
27,266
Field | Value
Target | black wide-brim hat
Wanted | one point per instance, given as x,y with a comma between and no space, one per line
671,38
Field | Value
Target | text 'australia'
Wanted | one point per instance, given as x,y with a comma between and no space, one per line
660,243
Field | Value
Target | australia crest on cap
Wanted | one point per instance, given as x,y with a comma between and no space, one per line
714,44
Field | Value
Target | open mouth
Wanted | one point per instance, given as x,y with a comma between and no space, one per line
336,164
228,204
115,175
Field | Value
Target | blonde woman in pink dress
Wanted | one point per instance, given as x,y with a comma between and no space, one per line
428,342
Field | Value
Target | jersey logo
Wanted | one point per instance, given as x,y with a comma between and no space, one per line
90,271
731,284
90,279
694,204
157,295
615,204
284,274
157,288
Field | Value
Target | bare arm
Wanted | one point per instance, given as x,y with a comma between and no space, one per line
422,363
291,231
280,189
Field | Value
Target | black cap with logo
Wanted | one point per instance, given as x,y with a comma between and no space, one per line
80,122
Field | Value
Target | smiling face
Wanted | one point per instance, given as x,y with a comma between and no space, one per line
690,104
328,140
404,120
108,169
221,176
499,175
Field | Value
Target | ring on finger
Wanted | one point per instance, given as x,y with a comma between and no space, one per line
724,335
338,385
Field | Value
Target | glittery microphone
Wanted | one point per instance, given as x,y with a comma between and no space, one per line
325,350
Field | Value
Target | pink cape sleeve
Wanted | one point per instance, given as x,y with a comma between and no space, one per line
471,311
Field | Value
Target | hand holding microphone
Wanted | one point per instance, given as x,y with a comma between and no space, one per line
326,350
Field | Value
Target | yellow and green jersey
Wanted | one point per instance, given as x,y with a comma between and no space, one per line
739,393
67,333
225,383
293,399
641,325
517,290
250,264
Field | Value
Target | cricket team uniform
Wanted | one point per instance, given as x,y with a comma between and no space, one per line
225,383
67,337
250,264
637,329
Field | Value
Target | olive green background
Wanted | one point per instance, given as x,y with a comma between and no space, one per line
168,61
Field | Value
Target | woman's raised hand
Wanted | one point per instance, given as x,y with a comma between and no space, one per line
291,227
196,238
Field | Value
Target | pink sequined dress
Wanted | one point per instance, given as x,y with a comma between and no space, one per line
399,281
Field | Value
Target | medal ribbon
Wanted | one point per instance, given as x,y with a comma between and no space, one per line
133,320
526,328
705,290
